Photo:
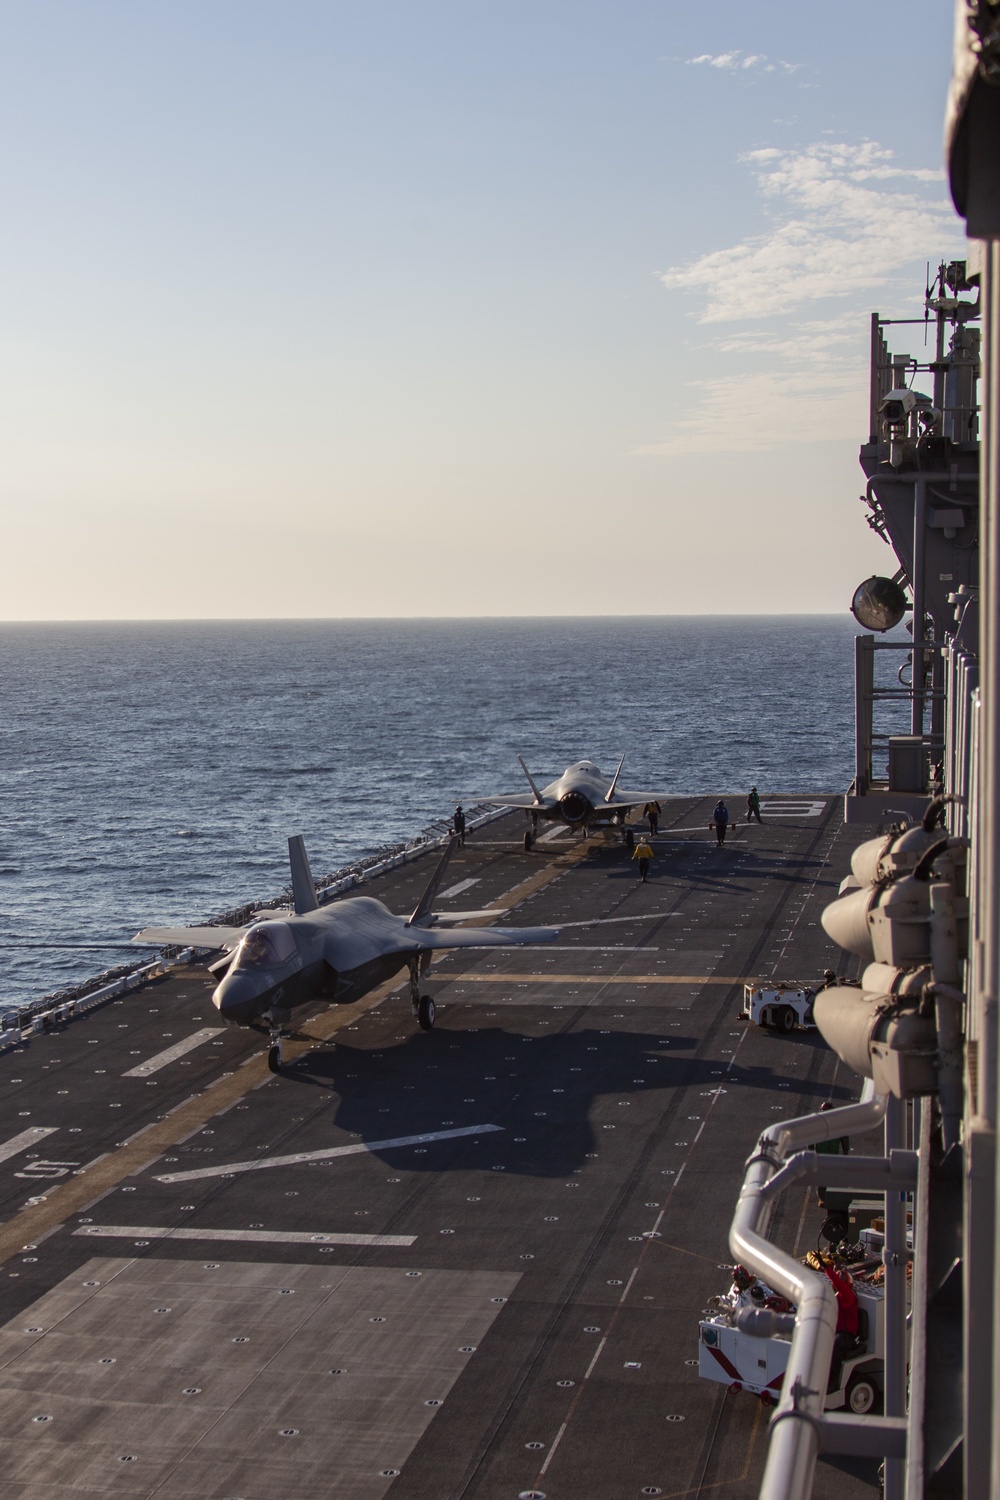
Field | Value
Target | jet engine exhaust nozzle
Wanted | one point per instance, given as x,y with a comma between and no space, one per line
574,807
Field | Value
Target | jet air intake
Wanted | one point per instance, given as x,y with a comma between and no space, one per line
574,807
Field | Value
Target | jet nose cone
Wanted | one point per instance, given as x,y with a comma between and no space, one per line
241,997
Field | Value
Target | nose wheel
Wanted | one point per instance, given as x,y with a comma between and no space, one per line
424,1009
275,1054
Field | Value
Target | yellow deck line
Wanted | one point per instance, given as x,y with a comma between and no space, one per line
597,979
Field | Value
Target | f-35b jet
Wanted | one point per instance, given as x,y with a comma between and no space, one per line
336,952
582,797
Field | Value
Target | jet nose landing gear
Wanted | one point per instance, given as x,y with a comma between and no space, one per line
276,1037
424,1009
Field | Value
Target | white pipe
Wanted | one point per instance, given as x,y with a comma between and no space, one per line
794,1439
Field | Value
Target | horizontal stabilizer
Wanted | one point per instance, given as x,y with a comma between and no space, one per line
190,937
639,799
517,799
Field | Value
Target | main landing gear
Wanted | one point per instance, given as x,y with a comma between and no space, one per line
424,1009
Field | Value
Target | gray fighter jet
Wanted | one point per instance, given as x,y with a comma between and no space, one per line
336,952
582,797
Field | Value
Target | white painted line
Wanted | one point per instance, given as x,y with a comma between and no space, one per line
648,916
154,1064
257,1236
456,890
25,1139
588,948
328,1155
560,831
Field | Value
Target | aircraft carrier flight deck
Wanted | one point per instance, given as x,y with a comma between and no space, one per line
466,1262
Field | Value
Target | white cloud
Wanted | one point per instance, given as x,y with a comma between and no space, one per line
762,410
847,220
741,62
836,233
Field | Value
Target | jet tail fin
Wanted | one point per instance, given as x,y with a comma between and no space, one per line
303,885
609,795
535,791
422,910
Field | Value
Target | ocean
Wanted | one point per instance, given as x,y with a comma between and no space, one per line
151,773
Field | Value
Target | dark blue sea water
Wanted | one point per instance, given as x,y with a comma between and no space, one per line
151,772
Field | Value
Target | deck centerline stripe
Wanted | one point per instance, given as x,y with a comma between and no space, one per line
355,1148
256,1236
170,1054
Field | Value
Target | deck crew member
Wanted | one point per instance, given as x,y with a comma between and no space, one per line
458,823
846,1338
720,822
643,852
652,812
753,805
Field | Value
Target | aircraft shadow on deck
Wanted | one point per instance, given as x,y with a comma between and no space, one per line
525,1084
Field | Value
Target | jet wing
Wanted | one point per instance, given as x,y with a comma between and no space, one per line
190,937
485,937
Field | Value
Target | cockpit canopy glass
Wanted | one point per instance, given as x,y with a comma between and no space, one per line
265,946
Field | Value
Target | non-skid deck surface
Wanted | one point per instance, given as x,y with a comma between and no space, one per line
534,1197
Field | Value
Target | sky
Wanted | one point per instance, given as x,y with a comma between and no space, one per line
453,308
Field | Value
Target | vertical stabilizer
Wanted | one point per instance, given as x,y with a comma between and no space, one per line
531,782
423,906
611,789
303,885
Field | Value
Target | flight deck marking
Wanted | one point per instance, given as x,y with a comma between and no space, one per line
154,1064
600,978
257,1236
456,890
76,1193
25,1139
646,916
329,1154
786,807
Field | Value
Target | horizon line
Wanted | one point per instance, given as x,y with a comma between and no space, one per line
430,619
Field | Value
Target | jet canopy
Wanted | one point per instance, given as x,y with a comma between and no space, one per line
265,946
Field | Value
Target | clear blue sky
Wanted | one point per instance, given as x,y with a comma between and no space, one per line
453,308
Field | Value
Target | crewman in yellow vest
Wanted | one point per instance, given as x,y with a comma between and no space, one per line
643,853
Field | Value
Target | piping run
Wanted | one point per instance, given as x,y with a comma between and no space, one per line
798,1418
